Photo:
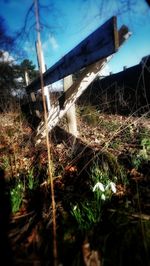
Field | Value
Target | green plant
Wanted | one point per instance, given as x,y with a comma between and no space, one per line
88,212
5,162
10,132
31,182
90,115
114,144
126,135
137,161
17,193
103,187
143,133
18,190
110,125
143,154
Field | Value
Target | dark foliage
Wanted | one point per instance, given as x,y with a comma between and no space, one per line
123,93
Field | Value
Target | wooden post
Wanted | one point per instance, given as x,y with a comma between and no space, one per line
43,68
26,76
31,96
71,113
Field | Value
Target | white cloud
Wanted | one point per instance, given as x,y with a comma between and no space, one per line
45,45
53,42
29,47
6,57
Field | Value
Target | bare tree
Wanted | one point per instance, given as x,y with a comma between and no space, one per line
6,41
148,2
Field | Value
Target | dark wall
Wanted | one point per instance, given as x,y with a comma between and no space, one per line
125,92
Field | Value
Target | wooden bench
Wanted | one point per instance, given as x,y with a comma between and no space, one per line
91,55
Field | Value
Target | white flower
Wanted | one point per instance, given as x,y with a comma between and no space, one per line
75,207
99,186
107,187
103,197
113,187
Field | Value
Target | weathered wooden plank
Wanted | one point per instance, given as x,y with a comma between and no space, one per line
71,114
100,44
73,93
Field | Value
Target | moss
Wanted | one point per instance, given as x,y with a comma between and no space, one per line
90,115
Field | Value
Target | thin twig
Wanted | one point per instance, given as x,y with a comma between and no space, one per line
47,139
141,216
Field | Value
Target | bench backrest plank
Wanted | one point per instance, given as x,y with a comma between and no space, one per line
100,44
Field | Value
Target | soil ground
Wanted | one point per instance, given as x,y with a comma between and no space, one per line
122,146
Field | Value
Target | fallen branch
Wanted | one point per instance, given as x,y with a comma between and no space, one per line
141,216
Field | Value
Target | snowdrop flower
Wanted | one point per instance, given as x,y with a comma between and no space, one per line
113,187
99,186
75,207
103,197
19,186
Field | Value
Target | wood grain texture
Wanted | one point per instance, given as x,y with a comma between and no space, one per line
98,45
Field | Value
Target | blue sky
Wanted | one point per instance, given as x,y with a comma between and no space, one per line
68,22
